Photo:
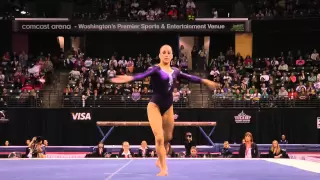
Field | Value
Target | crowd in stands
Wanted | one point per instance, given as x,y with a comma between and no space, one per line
21,79
267,9
291,79
89,87
141,10
174,9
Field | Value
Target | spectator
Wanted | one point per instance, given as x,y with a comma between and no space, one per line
283,140
125,152
226,150
275,151
111,72
315,55
145,151
215,13
249,149
292,95
100,151
188,143
193,152
300,62
283,93
136,95
283,66
6,143
176,95
190,4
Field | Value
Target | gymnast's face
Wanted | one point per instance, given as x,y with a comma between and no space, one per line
165,54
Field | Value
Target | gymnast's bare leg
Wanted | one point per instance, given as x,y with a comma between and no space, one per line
156,124
168,126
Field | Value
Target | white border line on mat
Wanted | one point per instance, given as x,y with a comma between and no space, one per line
296,163
122,159
118,170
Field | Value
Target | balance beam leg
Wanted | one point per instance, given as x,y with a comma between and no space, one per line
100,130
207,137
107,135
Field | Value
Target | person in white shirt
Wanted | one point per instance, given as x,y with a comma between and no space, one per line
88,62
264,77
122,62
190,4
314,55
283,66
2,77
111,73
176,95
125,152
113,62
135,4
214,13
101,79
283,93
151,15
142,13
158,11
274,62
227,78
75,74
214,72
298,89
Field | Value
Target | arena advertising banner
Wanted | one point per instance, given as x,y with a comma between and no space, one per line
138,26
81,115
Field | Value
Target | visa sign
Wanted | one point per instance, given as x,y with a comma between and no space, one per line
81,116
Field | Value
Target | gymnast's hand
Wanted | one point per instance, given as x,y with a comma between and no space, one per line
121,79
210,84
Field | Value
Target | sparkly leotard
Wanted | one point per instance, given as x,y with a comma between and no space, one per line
162,85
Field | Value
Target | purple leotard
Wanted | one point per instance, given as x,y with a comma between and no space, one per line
162,85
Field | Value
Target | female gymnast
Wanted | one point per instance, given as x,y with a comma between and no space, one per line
160,109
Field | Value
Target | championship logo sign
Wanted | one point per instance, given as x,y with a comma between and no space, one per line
242,118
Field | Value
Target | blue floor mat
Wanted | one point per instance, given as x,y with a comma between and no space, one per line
144,169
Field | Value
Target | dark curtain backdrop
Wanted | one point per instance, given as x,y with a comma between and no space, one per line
220,42
44,42
5,36
20,42
128,44
272,43
57,125
270,37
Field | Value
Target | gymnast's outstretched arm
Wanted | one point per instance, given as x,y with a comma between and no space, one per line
191,78
125,79
196,79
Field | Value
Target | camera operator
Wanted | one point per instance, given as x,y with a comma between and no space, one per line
188,143
36,148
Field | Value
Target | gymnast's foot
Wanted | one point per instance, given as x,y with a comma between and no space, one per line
163,172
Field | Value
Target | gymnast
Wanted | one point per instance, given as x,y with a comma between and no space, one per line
160,109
